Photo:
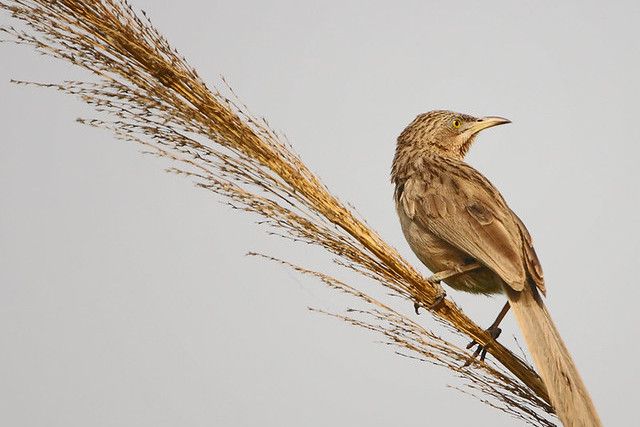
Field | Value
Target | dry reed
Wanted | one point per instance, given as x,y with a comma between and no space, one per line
151,96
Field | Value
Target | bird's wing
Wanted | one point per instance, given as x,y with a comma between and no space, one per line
456,203
531,258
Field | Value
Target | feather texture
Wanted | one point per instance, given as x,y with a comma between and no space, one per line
451,215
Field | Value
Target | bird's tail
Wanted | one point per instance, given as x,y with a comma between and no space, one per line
567,392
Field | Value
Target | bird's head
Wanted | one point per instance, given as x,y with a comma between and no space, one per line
445,133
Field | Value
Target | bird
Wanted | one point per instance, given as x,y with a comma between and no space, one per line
461,228
454,219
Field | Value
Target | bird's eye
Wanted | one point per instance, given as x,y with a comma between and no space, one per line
456,123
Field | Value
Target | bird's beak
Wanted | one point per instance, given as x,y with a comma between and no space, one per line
487,122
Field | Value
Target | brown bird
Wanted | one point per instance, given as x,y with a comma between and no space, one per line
461,228
455,221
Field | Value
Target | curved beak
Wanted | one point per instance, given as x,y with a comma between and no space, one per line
487,122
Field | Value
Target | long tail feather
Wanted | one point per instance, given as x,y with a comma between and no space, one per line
567,392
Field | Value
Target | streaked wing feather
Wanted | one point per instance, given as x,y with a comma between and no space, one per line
531,258
467,212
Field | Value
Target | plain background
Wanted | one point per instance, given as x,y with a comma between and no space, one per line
125,295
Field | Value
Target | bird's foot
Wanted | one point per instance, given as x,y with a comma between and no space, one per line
481,350
438,300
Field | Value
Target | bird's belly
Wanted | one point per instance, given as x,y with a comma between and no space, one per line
439,255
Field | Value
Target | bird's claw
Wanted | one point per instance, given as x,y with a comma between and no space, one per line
438,300
482,350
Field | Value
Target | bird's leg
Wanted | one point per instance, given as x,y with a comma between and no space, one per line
444,275
453,272
493,330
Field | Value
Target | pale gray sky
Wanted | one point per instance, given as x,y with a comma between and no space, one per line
125,295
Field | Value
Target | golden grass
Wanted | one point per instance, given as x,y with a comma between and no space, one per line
152,96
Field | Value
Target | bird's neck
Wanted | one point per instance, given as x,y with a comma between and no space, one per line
415,158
